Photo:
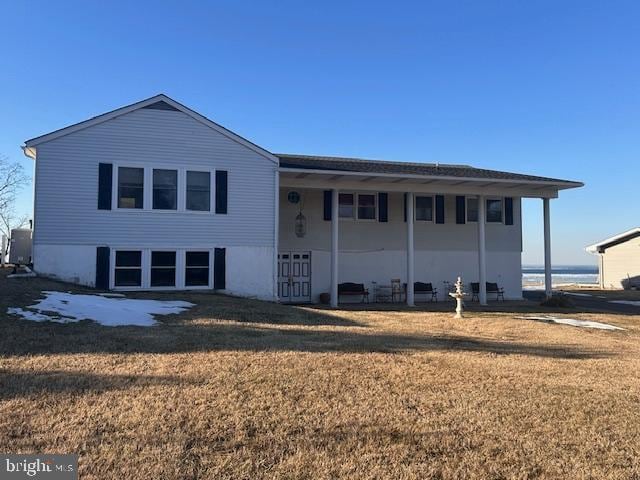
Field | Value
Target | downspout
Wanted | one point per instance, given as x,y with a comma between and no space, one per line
276,231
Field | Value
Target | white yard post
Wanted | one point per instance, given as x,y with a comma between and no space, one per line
482,261
547,249
410,252
334,247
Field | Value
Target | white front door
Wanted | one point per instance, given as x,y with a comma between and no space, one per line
294,276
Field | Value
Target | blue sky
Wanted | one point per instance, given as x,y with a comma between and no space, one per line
545,87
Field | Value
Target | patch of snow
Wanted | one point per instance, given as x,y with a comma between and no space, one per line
111,312
571,321
635,303
575,294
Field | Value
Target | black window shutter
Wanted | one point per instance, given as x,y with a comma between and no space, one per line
105,176
439,208
327,205
102,268
461,214
221,191
508,210
220,269
383,207
404,204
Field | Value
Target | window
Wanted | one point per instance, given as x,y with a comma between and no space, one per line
345,205
163,269
128,271
494,210
198,191
165,189
472,209
196,269
130,187
366,207
424,209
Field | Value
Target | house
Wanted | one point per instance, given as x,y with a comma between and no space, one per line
619,260
156,196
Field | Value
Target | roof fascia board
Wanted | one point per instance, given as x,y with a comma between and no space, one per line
603,245
558,185
33,142
141,104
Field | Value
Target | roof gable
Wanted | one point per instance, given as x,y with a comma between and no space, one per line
157,102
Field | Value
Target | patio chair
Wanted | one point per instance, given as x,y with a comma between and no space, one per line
353,289
492,288
421,288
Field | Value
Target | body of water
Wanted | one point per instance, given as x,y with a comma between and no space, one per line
533,275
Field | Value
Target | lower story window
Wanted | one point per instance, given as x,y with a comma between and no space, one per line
128,271
424,209
494,210
163,269
196,269
366,207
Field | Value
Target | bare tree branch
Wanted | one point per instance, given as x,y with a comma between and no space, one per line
12,180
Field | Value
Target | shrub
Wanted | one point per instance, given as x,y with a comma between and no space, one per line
558,301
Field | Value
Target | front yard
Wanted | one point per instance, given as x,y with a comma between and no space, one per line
244,389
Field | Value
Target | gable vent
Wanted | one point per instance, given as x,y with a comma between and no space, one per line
161,105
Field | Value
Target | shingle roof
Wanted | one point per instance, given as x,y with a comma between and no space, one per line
358,165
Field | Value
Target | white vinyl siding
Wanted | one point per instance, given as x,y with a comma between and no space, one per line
67,185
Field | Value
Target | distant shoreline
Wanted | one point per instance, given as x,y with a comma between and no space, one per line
561,276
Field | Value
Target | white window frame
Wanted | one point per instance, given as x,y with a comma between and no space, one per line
353,206
152,186
147,201
486,211
172,250
375,206
212,198
433,208
184,269
486,220
116,182
356,202
466,209
112,267
146,267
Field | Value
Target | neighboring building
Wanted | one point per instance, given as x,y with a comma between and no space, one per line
619,260
156,196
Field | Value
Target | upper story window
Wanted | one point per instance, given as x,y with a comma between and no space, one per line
345,205
366,206
494,210
130,187
165,189
424,209
198,191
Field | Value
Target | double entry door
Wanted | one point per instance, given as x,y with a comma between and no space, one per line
294,277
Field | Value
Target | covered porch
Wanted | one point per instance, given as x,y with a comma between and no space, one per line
377,224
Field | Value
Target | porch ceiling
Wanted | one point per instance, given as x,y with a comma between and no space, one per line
306,171
304,178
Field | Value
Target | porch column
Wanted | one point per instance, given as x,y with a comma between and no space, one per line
482,261
410,262
334,247
547,249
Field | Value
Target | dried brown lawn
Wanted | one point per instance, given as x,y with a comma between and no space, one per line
245,389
